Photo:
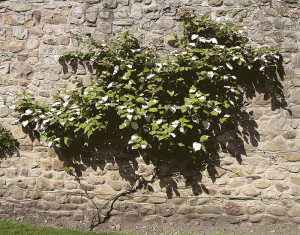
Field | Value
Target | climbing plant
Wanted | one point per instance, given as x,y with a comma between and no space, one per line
170,104
8,144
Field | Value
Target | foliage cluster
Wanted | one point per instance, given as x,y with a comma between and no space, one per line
171,104
7,141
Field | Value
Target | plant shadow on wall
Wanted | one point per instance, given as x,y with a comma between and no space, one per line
177,114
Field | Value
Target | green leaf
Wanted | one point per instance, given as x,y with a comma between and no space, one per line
151,102
203,138
68,141
65,53
134,125
183,108
122,126
140,100
171,93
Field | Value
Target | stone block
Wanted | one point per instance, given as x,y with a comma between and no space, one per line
276,210
7,207
250,190
79,199
71,185
157,200
115,185
288,157
256,218
11,173
262,184
105,192
232,208
78,216
131,217
21,33
16,46
282,187
254,207
276,175
57,165
44,184
235,172
57,184
42,206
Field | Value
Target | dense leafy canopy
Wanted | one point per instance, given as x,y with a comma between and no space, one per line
169,103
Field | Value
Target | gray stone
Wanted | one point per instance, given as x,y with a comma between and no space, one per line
157,200
266,25
78,216
136,12
165,23
215,3
4,68
50,55
111,4
91,14
20,33
123,22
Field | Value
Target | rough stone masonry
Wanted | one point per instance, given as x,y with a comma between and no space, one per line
264,188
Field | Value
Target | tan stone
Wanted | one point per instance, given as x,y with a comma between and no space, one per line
57,184
282,187
276,210
288,157
65,40
294,211
46,164
36,32
146,209
114,176
295,180
49,41
262,184
276,175
36,195
71,185
157,200
250,190
255,218
235,172
44,184
254,207
16,46
232,208
115,185
105,192
57,165
78,216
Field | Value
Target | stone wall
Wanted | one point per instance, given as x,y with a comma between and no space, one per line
263,186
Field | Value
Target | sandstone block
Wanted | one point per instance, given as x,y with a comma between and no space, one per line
288,157
146,209
254,207
269,219
57,184
62,199
65,40
42,206
53,214
235,172
256,218
36,195
282,186
276,175
157,200
294,211
105,192
295,180
18,194
115,185
276,210
71,185
232,208
11,173
78,216
44,184
262,184
131,217
7,207
46,164
16,46
79,199
57,165
185,210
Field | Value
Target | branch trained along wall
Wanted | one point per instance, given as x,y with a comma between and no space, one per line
260,184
